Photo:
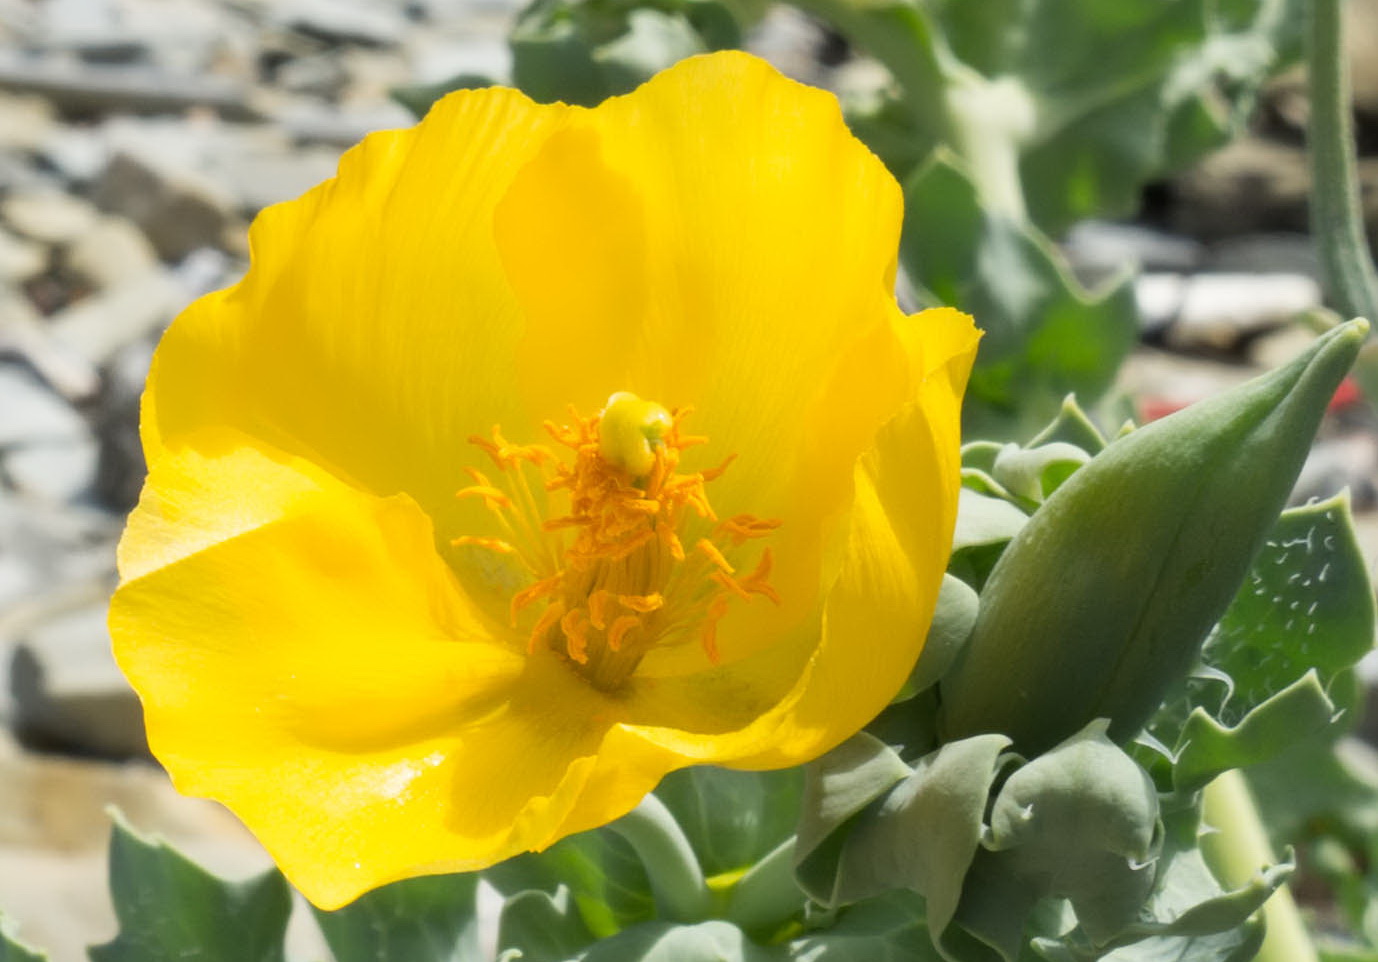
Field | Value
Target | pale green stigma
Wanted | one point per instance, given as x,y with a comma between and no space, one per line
630,430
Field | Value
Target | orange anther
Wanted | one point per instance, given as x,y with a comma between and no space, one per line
714,555
549,618
731,584
575,624
492,544
619,629
712,474
642,603
491,495
598,608
709,638
526,596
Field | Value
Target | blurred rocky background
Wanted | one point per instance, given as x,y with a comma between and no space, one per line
138,138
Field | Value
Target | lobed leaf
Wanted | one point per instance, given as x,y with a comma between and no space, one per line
428,919
169,908
12,950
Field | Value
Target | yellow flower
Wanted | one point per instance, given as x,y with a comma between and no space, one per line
735,564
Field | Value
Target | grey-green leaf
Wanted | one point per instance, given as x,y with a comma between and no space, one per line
1307,604
428,919
1210,748
713,941
12,950
924,834
542,927
732,818
171,909
1081,822
837,786
952,622
605,878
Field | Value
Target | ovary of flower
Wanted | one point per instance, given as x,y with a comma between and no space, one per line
624,583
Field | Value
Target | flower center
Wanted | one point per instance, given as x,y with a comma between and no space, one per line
611,576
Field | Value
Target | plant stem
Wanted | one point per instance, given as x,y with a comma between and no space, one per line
1336,215
676,877
1237,851
767,894
987,122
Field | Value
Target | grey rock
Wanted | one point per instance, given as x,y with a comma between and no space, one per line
78,153
177,212
121,468
57,472
1349,461
1251,186
204,270
440,59
1278,253
68,692
1160,382
77,87
31,413
23,335
343,21
261,177
1221,312
98,326
94,29
312,123
789,39
1105,247
56,557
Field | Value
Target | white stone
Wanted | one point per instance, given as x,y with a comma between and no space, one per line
53,471
20,259
113,252
50,217
30,412
97,327
23,333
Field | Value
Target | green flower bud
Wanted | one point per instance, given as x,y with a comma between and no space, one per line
1102,601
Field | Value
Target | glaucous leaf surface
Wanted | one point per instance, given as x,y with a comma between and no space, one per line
13,950
427,919
170,908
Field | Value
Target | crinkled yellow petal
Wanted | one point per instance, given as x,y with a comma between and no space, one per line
374,330
787,704
312,664
718,239
878,608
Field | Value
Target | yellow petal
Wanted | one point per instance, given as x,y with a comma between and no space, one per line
389,267
311,664
790,703
720,240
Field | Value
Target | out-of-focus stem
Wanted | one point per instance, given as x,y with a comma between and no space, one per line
767,894
1237,851
1336,215
677,881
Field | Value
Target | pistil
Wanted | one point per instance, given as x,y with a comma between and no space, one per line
611,577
